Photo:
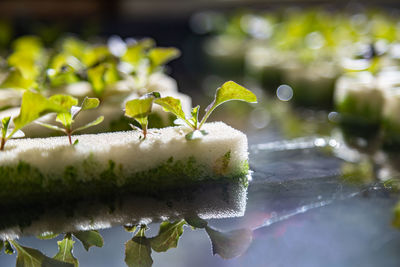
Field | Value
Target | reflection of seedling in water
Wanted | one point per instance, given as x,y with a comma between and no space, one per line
64,257
70,103
226,244
33,106
138,250
139,109
227,92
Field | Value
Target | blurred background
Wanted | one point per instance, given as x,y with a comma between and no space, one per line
186,25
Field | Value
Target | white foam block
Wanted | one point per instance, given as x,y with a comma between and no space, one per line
51,156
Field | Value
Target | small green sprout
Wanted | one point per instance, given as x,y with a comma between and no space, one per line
33,106
67,117
6,133
227,92
139,109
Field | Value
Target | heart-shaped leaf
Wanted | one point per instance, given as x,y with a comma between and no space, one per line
138,250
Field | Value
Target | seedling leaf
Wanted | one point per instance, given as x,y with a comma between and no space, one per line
50,126
89,239
87,103
29,257
65,101
64,254
227,92
230,244
90,103
33,106
102,75
137,52
47,235
174,106
16,80
161,55
130,228
138,250
65,119
139,109
196,222
168,236
4,126
90,124
195,115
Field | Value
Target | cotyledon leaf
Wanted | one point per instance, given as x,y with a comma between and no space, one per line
33,106
89,239
230,244
168,236
161,55
139,109
47,235
227,92
90,124
138,250
65,248
87,103
174,106
29,257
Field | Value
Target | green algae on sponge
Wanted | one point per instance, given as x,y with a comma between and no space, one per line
118,162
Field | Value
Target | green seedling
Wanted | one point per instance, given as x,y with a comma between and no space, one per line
139,110
227,92
67,117
33,106
25,64
101,76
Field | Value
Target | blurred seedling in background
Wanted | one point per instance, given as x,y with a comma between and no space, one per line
67,117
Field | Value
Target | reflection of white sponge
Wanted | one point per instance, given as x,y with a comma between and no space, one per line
208,201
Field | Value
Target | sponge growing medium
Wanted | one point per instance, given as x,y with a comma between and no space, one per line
101,164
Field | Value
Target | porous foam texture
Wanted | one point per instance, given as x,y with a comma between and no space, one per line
209,201
52,155
102,166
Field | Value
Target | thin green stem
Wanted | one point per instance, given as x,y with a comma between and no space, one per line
208,113
144,129
69,133
189,123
